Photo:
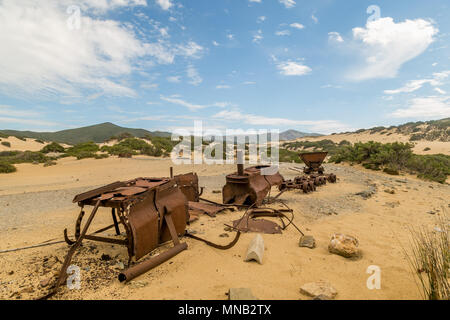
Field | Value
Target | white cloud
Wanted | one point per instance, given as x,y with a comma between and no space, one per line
297,25
414,85
426,107
13,112
291,68
230,36
261,19
164,4
215,43
440,90
283,33
258,37
32,122
193,74
249,82
175,99
257,1
288,3
324,126
223,86
314,18
42,57
386,45
174,79
335,36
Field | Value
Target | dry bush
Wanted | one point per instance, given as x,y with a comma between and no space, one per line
430,259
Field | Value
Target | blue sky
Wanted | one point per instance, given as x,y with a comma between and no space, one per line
316,66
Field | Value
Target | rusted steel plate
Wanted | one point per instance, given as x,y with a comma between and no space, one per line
188,184
211,210
149,183
98,191
129,191
257,225
313,159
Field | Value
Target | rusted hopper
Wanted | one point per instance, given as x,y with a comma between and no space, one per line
248,186
150,210
313,161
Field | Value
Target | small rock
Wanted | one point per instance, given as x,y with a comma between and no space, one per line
120,265
320,290
216,191
344,245
431,212
27,290
10,273
138,284
224,235
391,191
307,241
241,294
45,282
255,249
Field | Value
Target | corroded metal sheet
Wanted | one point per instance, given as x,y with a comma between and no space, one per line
188,184
257,225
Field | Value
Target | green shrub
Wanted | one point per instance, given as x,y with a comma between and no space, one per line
83,150
53,147
84,155
21,138
49,163
2,135
39,141
7,168
427,149
6,144
289,156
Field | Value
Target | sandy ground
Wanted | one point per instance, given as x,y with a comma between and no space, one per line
35,206
419,146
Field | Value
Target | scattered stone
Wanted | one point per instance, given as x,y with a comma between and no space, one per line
44,283
106,257
216,191
392,204
10,273
320,290
307,241
224,235
431,212
391,191
344,245
120,265
241,294
138,284
366,194
256,249
27,290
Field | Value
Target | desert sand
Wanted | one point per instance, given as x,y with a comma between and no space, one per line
35,206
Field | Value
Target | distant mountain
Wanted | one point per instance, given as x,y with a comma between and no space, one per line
294,134
97,133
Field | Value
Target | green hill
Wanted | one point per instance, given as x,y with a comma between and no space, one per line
97,133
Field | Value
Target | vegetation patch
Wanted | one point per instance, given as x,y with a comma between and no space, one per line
394,157
6,144
53,147
7,168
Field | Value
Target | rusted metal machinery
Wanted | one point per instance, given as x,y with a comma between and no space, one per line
151,210
248,186
313,161
313,174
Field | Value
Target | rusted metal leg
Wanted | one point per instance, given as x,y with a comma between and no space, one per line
62,273
116,225
77,229
145,266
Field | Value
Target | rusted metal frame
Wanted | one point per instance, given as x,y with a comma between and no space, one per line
145,266
124,221
116,225
214,245
107,240
99,191
68,259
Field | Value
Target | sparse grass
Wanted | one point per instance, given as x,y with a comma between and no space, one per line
39,141
6,144
83,150
430,260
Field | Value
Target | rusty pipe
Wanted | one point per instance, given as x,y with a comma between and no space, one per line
240,163
143,267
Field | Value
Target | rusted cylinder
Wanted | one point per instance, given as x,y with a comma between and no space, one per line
145,266
240,163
